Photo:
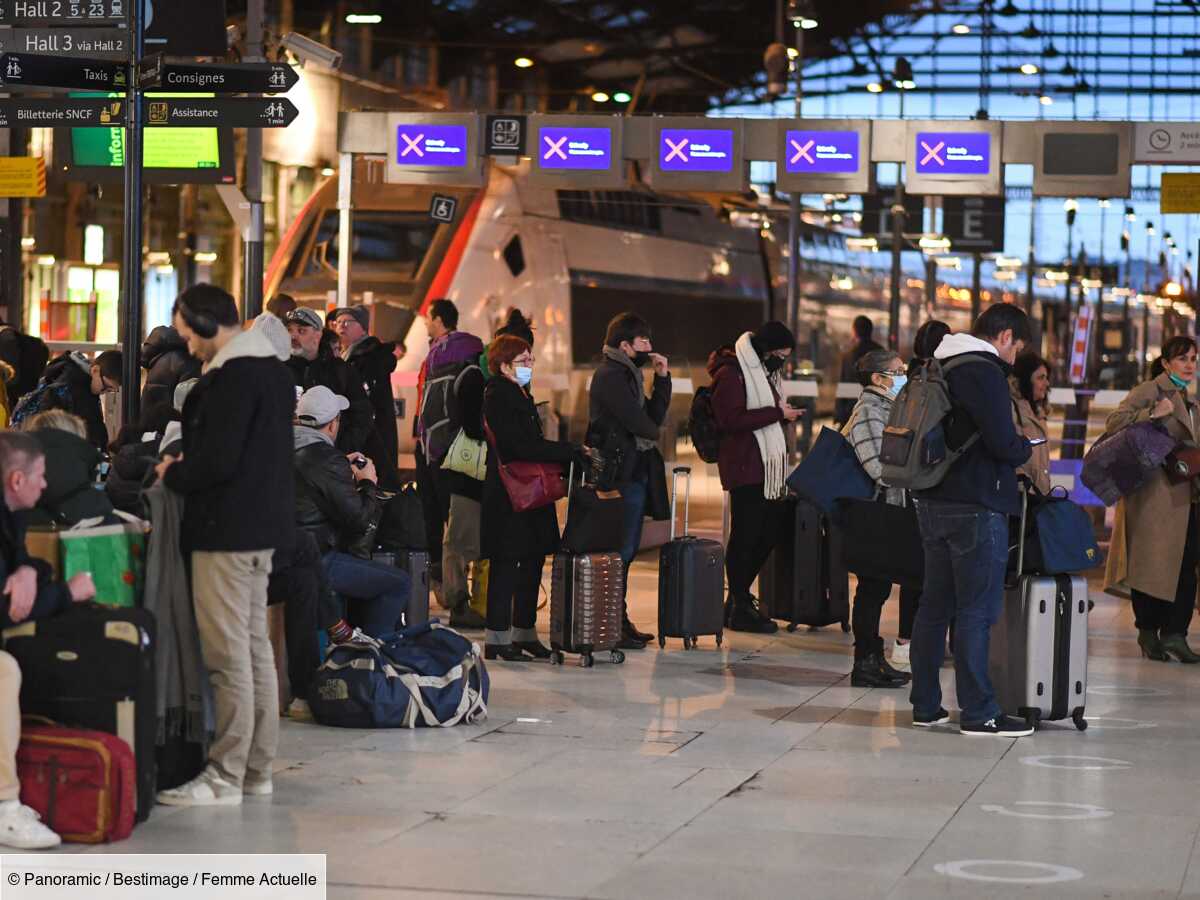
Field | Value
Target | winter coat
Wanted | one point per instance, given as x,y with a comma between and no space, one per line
374,362
616,416
848,373
864,431
517,433
330,505
1032,424
74,371
237,433
986,474
738,460
358,422
53,596
1151,524
71,493
167,362
130,467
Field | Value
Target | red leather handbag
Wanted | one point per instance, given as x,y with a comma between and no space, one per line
529,485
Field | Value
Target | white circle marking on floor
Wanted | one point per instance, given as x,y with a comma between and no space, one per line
1087,763
1052,874
1081,810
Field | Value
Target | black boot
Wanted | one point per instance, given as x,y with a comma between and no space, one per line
536,649
748,617
506,652
887,667
627,627
868,672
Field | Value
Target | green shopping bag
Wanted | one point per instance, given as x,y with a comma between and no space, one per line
114,554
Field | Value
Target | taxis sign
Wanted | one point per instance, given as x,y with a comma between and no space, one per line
22,176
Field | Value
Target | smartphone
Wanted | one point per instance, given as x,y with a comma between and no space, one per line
1036,442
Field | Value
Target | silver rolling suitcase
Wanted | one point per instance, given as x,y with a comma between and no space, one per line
586,590
1038,653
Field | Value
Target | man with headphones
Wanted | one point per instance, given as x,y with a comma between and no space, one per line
237,431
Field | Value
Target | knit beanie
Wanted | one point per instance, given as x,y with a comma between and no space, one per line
772,336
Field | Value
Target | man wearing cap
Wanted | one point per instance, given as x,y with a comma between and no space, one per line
314,362
336,501
373,361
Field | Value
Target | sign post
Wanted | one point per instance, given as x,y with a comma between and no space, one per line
131,332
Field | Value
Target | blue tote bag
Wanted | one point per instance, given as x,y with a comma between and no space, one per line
830,472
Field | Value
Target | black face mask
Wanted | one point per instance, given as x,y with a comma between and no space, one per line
773,364
640,358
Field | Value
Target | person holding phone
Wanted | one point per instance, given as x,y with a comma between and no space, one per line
1029,385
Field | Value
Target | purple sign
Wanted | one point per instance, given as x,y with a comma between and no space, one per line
824,152
695,150
431,145
954,153
562,147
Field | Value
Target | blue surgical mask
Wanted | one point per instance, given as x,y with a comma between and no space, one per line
898,382
1177,381
524,375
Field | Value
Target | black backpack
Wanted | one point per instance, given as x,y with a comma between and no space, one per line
702,426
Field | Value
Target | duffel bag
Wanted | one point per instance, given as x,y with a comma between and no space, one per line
1059,538
829,472
1120,463
881,541
424,675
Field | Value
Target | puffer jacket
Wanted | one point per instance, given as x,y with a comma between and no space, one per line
167,362
374,362
330,505
74,371
70,493
864,431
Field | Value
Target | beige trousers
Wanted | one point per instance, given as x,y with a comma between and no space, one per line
10,726
460,548
230,594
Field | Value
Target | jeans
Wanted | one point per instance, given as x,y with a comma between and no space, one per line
634,495
513,587
966,553
1165,616
754,526
379,592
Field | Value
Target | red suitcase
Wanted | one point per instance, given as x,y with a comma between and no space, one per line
82,783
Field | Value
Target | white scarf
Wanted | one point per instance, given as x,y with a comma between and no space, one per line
771,445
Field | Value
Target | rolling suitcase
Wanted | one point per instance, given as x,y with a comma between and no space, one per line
1038,649
93,667
691,579
586,591
805,581
416,564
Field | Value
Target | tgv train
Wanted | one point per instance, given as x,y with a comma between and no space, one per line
701,268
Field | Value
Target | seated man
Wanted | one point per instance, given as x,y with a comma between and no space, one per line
29,593
337,501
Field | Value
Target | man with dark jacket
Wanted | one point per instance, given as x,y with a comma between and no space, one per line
239,509
964,526
622,420
337,502
314,362
862,345
167,362
373,361
27,355
29,594
75,384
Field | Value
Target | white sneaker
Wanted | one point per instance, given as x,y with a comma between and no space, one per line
21,828
299,711
900,655
206,789
258,787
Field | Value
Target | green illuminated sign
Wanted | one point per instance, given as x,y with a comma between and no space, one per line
164,148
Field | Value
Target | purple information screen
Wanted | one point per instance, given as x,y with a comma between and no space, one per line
954,153
431,145
695,150
562,147
823,152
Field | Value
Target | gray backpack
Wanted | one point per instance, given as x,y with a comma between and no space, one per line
914,452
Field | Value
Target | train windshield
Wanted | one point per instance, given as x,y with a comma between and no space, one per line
391,244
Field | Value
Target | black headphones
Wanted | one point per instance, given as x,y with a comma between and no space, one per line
201,323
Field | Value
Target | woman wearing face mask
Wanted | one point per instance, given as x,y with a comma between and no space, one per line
516,543
882,375
752,460
1154,550
1029,384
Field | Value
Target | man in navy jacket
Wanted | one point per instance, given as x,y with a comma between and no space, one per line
964,526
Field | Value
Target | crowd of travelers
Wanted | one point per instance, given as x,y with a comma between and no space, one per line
224,404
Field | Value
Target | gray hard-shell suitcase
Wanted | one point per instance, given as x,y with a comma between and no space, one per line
586,594
416,564
1038,651
691,579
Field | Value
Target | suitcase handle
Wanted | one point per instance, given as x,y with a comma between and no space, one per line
1024,484
687,497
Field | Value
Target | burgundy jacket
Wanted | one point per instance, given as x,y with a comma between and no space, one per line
738,461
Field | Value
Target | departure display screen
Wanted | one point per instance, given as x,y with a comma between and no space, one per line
822,152
695,150
563,147
953,153
428,145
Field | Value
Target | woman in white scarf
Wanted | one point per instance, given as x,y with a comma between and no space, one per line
752,460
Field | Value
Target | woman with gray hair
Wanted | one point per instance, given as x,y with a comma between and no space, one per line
71,493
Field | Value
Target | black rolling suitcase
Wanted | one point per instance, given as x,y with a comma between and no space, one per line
691,579
93,667
805,581
416,564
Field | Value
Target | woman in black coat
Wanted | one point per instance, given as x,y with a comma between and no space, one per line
516,543
167,362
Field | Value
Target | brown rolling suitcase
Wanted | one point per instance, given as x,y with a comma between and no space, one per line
585,606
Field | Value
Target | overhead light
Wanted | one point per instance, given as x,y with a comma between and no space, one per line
961,28
1149,229
842,283
205,257
622,97
1045,100
165,269
1056,275
875,87
1122,292
46,261
948,262
802,13
934,243
1105,204
523,62
862,243
902,74
28,242
1173,289
836,218
327,172
792,52
158,258
807,24
1029,69
1091,283
600,97
1130,215
1007,262
1071,205
363,18
1005,275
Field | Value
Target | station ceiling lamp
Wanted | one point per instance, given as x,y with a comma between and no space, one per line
523,62
1045,100
961,28
600,97
802,14
363,18
1029,68
902,74
875,87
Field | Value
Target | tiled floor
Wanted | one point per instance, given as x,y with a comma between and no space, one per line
753,771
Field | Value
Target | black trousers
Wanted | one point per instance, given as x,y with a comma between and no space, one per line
309,604
435,507
512,599
1166,616
754,526
910,599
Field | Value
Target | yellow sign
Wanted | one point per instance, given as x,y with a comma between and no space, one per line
22,176
1180,192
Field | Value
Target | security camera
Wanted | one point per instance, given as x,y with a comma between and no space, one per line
307,50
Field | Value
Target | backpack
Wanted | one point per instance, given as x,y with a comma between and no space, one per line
55,395
702,426
913,453
439,412
34,357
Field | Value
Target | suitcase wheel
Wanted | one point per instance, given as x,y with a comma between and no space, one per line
791,627
1033,717
845,626
616,657
556,658
689,643
1079,720
662,642
586,661
718,640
